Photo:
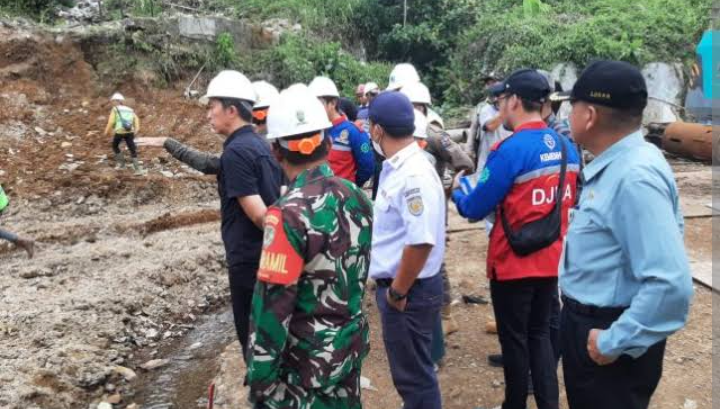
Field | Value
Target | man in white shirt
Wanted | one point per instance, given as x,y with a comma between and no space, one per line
408,247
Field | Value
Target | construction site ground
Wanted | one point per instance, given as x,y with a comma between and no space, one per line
126,300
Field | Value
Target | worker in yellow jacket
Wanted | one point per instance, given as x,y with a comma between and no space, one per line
123,123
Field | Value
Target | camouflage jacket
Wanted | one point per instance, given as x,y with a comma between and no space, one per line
446,152
307,325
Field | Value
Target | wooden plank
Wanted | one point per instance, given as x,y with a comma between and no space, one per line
703,273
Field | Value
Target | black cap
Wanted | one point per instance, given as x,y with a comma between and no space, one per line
348,108
496,89
527,84
614,84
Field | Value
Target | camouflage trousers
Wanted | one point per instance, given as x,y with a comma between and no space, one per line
343,395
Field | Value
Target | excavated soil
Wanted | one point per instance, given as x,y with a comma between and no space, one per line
124,263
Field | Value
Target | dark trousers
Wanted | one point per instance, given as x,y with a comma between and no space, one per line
555,325
407,336
242,284
129,139
626,383
522,311
437,348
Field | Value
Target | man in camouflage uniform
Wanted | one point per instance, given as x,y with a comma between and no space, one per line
309,334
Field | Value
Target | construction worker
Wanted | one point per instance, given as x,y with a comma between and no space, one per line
400,76
446,153
420,134
124,124
360,96
309,332
371,90
25,244
449,153
529,182
351,155
408,246
266,95
625,277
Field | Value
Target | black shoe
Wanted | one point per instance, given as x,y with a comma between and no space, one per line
495,360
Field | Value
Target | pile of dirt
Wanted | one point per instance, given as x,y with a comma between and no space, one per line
111,276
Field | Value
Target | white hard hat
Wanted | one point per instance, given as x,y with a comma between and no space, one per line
433,116
402,75
266,94
230,84
371,87
421,125
417,93
297,111
117,97
323,87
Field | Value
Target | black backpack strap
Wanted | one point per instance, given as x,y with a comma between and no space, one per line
558,196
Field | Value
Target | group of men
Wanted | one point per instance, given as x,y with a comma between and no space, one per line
302,238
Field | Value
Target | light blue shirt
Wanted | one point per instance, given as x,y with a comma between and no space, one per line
624,247
409,210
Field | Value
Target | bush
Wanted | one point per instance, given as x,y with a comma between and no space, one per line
38,9
505,39
299,59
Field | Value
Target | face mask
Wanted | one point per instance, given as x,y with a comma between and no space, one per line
378,149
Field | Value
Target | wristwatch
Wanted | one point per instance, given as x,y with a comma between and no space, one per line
395,296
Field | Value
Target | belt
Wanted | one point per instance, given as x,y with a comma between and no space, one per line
387,282
592,310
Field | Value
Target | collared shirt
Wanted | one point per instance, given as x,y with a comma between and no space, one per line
625,247
487,138
409,210
560,126
247,168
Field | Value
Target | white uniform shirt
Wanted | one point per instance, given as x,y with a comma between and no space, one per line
409,210
488,139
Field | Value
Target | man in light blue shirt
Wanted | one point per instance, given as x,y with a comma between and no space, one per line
625,278
408,246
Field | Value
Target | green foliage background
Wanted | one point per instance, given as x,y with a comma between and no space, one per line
453,42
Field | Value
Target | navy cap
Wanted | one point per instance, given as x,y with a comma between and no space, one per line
394,112
496,89
527,84
614,84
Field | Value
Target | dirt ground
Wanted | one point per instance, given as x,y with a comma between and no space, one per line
127,265
111,276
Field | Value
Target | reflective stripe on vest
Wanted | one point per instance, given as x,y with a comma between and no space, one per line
4,201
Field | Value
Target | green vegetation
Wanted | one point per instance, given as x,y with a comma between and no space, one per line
452,42
505,38
299,59
41,10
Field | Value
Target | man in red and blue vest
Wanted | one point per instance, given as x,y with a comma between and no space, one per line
521,183
351,156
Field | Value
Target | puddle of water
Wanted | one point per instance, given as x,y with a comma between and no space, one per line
183,383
